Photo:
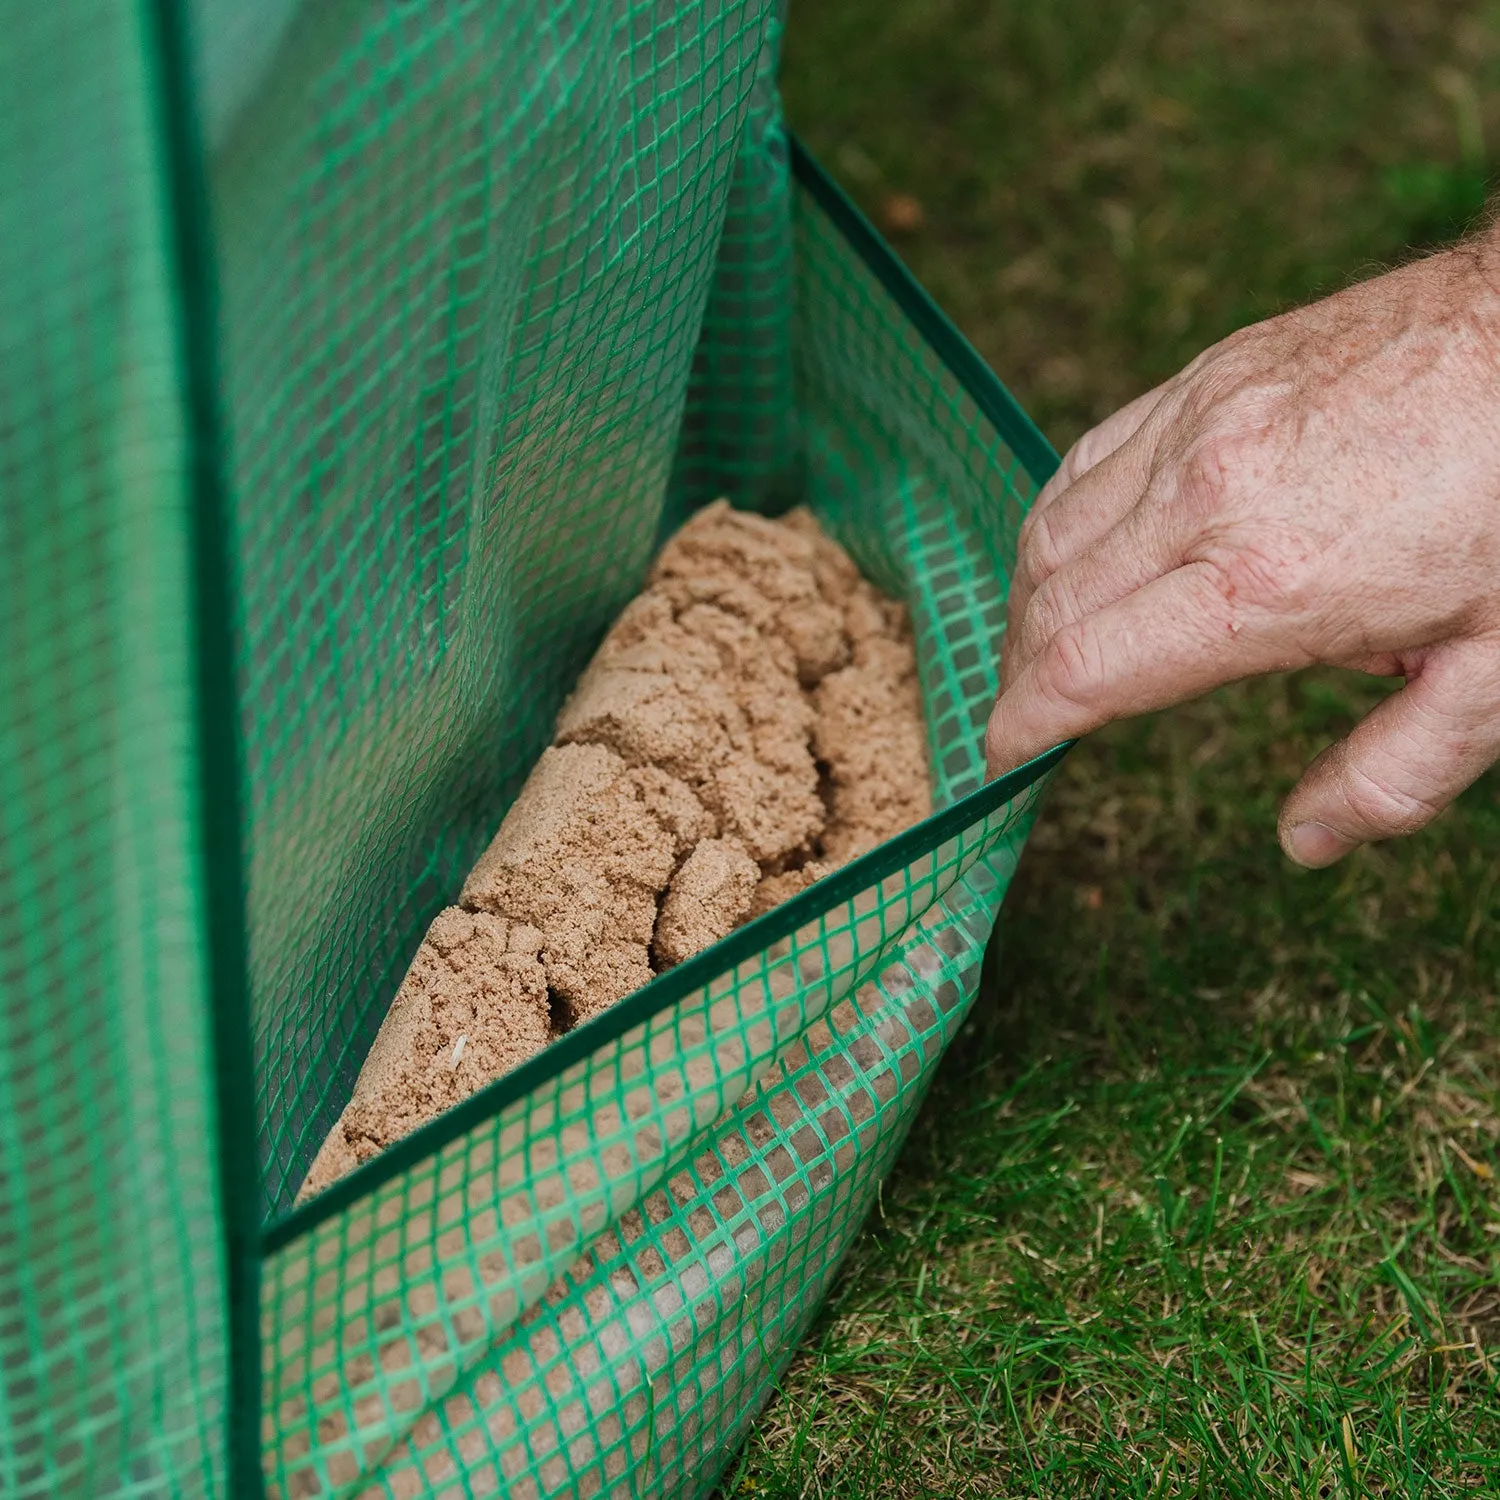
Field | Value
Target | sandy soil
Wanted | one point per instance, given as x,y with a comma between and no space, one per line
752,720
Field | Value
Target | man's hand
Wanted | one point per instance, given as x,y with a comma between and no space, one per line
1322,487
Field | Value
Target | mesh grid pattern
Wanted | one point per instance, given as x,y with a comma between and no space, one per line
465,254
739,433
442,1329
415,1311
506,291
112,1349
635,1372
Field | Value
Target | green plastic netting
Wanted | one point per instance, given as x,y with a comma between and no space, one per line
358,354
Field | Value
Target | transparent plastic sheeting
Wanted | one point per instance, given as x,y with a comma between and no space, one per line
359,355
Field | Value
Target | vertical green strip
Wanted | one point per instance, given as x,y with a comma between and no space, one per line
217,710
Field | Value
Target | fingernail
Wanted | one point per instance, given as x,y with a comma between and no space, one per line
1316,845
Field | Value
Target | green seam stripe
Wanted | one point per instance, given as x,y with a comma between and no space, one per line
666,990
219,748
990,395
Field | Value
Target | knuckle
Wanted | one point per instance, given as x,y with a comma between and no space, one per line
1273,573
994,738
1379,802
1238,342
1022,584
1038,558
1070,667
1023,539
1043,616
1085,453
1206,478
1227,365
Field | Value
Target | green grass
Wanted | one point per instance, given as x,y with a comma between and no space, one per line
1109,186
1205,1199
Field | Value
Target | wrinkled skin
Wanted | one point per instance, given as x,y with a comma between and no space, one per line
1323,487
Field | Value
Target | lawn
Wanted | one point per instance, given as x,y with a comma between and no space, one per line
1204,1201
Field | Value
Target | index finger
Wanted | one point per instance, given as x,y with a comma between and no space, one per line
1043,546
1170,641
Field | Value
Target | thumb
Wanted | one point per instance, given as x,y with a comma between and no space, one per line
1404,763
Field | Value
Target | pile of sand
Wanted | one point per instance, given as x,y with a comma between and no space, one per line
752,721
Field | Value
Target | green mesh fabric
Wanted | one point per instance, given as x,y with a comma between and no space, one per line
112,1317
591,1288
465,255
504,291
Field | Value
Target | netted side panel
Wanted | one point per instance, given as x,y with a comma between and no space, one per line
466,246
739,431
639,1371
112,1358
917,484
443,1325
379,1312
922,489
